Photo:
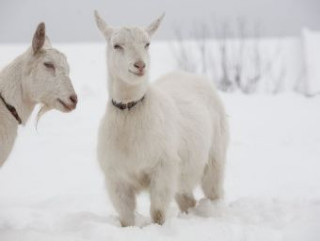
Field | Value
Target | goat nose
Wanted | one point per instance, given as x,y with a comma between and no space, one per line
139,65
74,99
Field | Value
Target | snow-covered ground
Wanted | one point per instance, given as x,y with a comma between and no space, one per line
51,187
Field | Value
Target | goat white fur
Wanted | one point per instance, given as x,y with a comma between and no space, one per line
169,142
40,75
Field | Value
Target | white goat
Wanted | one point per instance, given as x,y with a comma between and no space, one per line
167,137
40,75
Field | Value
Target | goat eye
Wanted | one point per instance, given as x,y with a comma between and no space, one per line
49,65
147,45
117,46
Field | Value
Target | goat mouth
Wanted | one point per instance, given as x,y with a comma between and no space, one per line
137,73
68,108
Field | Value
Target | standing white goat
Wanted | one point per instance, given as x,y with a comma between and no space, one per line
40,75
167,137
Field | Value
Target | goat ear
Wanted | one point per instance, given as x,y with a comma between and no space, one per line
103,26
152,28
39,38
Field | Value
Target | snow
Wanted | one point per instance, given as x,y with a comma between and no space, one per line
51,187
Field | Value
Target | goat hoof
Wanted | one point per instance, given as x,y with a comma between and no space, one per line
158,217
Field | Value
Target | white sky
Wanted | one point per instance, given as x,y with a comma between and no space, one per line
72,20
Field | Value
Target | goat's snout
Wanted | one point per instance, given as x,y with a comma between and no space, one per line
140,65
74,99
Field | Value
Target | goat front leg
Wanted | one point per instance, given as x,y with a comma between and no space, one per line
162,189
123,198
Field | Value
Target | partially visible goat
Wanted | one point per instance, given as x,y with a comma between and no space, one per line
40,75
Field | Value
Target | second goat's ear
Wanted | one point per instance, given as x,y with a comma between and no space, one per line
152,28
39,38
105,29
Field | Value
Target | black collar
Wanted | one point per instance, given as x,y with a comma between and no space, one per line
123,106
12,110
